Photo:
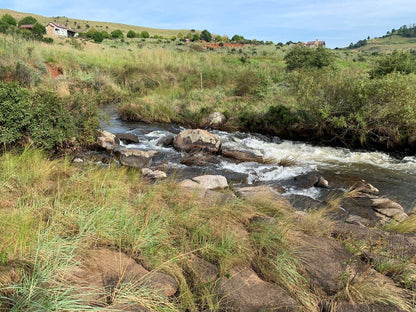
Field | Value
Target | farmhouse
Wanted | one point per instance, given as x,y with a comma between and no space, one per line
315,44
58,30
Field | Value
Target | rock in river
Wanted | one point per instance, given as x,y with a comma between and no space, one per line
197,140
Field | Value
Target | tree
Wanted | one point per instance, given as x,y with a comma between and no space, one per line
131,34
105,34
97,36
144,34
38,31
117,34
237,38
28,20
180,36
206,35
195,37
8,19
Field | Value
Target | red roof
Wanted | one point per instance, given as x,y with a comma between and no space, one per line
61,26
26,26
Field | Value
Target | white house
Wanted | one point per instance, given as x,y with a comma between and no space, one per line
58,30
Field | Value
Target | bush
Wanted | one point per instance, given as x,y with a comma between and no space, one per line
14,112
401,62
97,37
117,34
144,34
131,34
48,119
303,57
8,19
28,20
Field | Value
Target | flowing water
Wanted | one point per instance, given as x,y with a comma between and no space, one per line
395,178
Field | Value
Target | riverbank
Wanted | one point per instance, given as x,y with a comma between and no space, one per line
130,244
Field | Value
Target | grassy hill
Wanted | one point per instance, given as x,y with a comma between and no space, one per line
388,44
84,25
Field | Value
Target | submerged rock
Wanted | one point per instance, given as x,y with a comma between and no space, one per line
242,156
310,180
166,140
197,140
128,138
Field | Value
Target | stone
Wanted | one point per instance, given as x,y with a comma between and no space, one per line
214,120
154,174
103,269
389,208
311,179
107,140
244,291
78,160
166,140
363,186
242,156
197,140
357,220
128,138
199,159
211,182
201,271
135,158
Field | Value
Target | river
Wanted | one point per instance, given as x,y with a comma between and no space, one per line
395,178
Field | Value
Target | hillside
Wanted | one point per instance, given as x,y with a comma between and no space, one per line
388,44
84,25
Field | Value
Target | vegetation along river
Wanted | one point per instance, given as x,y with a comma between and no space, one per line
395,178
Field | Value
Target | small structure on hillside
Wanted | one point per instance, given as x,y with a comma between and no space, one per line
28,27
315,44
58,30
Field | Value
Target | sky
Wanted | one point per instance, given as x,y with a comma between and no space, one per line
338,23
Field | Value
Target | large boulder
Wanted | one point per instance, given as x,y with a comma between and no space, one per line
102,270
244,291
135,158
107,140
197,140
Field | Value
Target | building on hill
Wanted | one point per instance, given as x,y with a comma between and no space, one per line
58,30
315,44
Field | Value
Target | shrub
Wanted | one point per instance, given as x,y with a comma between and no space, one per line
97,37
14,112
8,19
303,57
144,34
28,20
117,34
401,62
38,31
131,34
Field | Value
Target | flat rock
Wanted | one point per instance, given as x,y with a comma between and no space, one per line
211,182
197,140
104,269
154,174
135,158
311,179
242,156
244,291
389,208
